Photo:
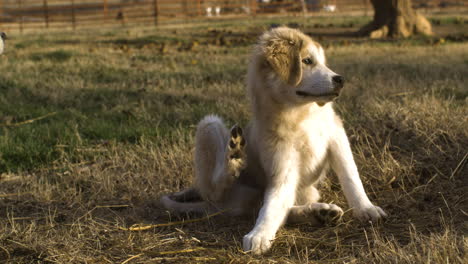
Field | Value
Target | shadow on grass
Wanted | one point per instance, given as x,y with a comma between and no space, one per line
85,118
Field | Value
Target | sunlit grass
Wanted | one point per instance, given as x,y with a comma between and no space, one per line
119,110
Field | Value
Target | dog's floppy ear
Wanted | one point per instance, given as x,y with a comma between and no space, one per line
284,57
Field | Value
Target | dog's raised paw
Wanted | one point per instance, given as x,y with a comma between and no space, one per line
236,143
236,151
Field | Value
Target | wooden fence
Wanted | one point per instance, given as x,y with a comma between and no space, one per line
71,14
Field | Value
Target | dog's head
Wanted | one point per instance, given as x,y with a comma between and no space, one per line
295,67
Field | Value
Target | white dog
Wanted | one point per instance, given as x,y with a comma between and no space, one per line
292,140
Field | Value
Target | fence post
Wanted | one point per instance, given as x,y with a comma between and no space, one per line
156,12
1,10
253,7
105,9
304,8
185,10
121,14
365,7
46,13
73,15
20,6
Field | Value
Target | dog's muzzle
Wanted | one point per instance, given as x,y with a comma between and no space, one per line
338,83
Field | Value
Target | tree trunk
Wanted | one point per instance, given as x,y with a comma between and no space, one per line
395,18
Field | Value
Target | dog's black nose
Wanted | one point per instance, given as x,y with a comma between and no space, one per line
338,82
338,79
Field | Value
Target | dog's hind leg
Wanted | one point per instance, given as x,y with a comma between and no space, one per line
170,202
185,196
219,158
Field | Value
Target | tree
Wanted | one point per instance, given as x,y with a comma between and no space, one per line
395,18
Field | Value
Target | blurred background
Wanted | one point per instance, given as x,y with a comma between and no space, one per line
22,15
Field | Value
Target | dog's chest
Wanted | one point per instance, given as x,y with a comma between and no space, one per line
312,149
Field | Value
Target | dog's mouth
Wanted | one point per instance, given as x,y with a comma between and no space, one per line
326,97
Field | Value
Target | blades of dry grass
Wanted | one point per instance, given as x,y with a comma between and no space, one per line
132,258
459,166
5,195
124,130
29,121
139,227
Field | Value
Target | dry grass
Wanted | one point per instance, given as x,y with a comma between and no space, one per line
126,106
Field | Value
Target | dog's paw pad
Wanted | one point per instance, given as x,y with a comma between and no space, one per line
236,131
237,141
334,214
324,213
330,214
235,150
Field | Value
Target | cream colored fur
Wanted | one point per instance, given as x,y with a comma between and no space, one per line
292,140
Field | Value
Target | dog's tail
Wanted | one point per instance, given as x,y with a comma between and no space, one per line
187,201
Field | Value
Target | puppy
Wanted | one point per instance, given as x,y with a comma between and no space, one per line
293,139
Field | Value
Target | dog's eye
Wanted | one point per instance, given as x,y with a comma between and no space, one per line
308,61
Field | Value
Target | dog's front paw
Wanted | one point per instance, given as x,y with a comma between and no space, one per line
257,243
236,158
369,213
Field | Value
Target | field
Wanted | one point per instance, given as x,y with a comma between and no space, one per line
96,125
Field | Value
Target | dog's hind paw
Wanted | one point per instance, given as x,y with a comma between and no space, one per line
235,153
317,214
328,213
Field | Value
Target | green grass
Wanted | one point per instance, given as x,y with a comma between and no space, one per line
118,117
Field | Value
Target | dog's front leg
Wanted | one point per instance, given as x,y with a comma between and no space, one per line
279,198
344,166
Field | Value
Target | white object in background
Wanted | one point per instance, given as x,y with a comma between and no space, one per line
217,10
208,11
329,8
3,36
